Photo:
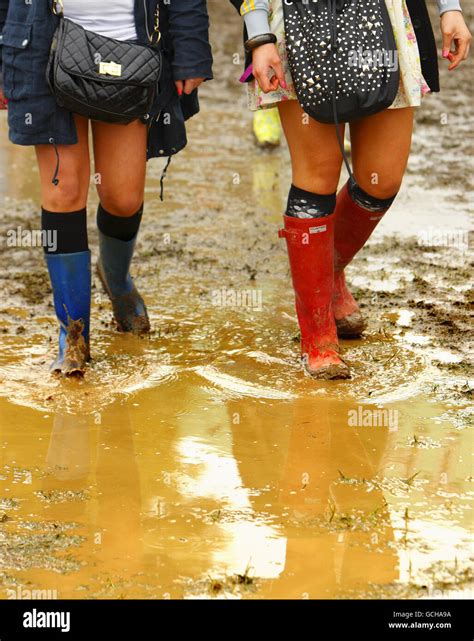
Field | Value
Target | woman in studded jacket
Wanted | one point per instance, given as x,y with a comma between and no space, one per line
324,229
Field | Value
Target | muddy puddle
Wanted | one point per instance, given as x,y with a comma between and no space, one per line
201,462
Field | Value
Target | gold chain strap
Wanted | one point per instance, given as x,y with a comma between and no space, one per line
58,8
156,27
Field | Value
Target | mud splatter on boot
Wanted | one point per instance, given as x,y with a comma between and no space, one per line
349,320
70,276
75,352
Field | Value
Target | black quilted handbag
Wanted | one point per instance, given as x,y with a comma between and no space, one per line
101,78
342,56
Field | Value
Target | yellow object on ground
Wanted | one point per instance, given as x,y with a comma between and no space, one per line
267,127
347,141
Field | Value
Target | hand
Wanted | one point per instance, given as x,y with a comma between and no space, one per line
267,68
3,101
188,86
455,32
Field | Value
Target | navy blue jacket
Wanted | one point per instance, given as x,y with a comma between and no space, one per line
27,30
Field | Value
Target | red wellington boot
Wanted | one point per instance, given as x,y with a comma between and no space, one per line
354,226
310,243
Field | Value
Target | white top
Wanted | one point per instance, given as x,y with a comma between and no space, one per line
112,18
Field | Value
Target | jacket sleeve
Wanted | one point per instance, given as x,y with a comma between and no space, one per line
3,12
255,14
247,6
189,30
3,17
448,5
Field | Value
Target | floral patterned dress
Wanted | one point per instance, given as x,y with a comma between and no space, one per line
412,84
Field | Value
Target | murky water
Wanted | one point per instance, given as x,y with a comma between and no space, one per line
201,462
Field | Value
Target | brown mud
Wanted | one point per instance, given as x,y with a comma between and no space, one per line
200,461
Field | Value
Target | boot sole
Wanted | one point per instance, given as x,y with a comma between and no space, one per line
351,326
330,372
75,370
73,373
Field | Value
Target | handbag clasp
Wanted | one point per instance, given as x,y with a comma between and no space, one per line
110,69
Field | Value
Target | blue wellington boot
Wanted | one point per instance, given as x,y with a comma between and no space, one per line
113,268
70,276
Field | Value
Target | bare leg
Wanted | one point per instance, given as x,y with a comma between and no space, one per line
120,164
74,172
380,151
315,155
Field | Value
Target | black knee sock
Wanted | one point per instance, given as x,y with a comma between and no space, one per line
64,233
368,202
304,204
119,227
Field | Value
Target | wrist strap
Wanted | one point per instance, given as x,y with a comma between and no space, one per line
258,41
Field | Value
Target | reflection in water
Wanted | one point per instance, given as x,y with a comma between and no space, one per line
68,457
327,526
182,492
91,477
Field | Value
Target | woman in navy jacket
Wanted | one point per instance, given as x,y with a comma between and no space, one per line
61,142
